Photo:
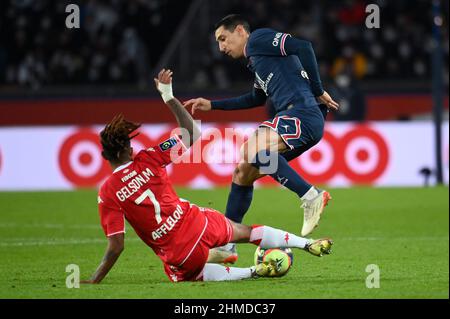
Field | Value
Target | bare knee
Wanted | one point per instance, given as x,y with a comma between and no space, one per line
245,174
241,233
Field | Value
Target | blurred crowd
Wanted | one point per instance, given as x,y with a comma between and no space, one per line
120,41
399,49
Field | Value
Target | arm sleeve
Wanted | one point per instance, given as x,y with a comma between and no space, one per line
111,218
304,50
255,98
164,153
273,43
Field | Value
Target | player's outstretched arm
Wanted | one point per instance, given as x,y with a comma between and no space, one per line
254,98
113,251
185,121
198,104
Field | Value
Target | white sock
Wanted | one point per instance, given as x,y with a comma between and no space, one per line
268,237
214,272
310,194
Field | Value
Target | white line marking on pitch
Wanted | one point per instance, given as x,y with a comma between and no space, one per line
60,241
37,225
393,238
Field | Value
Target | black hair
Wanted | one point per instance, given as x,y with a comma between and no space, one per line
115,138
231,21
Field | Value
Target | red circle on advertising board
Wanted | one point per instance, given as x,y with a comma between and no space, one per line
316,156
85,158
82,135
383,155
362,155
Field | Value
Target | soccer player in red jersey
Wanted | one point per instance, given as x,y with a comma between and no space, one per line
179,232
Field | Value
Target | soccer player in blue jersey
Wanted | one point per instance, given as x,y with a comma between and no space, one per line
285,71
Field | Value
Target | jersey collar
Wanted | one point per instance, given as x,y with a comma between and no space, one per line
121,167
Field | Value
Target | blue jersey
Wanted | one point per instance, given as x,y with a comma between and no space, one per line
282,77
285,70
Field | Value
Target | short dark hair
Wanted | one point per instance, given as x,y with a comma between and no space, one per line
231,21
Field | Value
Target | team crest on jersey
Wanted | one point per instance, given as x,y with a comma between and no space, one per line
304,74
166,145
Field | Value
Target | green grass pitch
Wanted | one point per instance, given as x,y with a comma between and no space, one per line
402,230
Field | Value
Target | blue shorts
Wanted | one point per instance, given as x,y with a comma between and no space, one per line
300,128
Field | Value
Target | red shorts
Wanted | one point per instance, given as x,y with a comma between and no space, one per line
217,232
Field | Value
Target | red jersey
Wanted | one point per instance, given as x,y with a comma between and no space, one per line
140,192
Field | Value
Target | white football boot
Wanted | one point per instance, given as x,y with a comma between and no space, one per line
312,210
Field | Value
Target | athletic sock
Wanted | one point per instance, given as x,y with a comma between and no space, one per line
275,165
214,272
310,194
239,201
268,237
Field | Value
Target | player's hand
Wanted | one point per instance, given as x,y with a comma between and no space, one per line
164,76
326,99
198,104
